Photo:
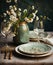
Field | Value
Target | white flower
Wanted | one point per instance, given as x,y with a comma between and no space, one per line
4,14
36,11
19,13
28,20
12,12
8,1
19,9
4,20
37,18
25,10
15,8
34,15
15,1
13,18
10,7
32,7
8,12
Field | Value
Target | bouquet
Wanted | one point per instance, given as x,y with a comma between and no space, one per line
14,15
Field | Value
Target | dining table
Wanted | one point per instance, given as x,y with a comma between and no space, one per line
18,59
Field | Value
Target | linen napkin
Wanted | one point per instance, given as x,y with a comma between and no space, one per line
48,40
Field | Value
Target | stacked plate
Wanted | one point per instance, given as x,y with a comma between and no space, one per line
34,49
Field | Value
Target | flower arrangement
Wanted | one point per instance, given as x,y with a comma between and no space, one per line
15,15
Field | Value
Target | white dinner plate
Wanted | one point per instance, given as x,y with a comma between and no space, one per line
35,48
27,55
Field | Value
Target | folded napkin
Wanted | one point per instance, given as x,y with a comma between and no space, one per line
48,40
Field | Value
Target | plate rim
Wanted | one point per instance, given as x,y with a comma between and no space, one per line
44,55
34,53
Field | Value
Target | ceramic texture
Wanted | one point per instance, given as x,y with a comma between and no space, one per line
23,33
32,56
34,48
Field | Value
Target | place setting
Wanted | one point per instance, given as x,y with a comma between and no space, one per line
34,49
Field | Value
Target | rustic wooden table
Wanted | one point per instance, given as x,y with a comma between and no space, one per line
22,60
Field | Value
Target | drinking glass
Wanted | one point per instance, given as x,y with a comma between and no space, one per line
38,29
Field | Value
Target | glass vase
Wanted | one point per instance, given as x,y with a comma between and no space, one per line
23,32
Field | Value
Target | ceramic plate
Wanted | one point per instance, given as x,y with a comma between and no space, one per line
44,55
34,48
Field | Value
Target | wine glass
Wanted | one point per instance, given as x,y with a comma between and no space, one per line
38,29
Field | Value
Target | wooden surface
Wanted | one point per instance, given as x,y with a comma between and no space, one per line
22,60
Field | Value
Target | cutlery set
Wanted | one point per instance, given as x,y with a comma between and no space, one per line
7,50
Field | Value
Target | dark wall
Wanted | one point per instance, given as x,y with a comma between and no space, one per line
45,7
